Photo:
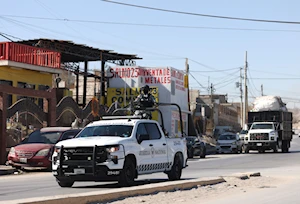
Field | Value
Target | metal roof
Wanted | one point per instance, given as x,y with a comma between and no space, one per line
71,52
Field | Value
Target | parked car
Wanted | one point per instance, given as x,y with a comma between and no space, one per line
36,150
243,134
229,143
195,147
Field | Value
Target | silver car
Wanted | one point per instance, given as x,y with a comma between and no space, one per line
229,143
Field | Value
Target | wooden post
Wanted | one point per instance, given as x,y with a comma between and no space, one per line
3,135
52,109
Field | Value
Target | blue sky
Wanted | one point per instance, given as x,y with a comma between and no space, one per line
270,54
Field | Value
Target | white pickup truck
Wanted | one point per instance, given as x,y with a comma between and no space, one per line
118,149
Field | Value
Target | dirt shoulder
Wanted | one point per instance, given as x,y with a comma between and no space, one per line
204,194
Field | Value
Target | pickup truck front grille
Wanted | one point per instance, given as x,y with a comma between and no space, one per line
85,154
259,136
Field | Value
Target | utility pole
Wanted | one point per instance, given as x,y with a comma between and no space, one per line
262,89
241,92
212,118
187,71
245,108
208,82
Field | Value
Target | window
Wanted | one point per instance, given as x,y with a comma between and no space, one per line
27,86
227,137
9,96
153,131
69,135
45,137
107,131
262,126
141,130
41,100
173,87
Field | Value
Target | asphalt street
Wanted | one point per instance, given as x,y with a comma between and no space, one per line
38,184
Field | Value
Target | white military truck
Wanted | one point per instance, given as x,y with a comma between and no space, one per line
270,126
119,148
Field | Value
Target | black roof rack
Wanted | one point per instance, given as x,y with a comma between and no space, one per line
121,117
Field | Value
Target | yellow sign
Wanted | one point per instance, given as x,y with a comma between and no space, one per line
186,81
119,95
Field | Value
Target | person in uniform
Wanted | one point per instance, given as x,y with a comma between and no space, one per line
144,100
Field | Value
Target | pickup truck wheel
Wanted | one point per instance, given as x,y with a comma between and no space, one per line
175,173
65,183
127,174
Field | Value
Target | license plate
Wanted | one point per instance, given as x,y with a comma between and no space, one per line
259,144
79,171
23,160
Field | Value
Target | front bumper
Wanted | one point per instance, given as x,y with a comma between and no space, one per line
39,162
96,165
99,173
228,148
257,145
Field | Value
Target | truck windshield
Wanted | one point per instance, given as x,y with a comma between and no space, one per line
227,137
262,126
107,130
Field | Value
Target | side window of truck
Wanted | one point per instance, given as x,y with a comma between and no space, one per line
153,131
141,130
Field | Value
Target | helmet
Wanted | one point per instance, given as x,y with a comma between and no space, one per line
146,89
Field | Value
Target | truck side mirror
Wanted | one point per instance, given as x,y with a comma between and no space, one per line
142,137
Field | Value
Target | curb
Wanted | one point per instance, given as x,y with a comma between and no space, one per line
7,172
111,195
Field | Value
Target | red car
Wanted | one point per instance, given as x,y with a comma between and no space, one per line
36,149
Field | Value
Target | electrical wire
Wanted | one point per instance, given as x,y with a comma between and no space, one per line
223,70
152,25
197,81
250,81
225,78
260,71
6,36
202,15
291,78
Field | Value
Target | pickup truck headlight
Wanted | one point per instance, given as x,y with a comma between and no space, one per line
272,133
43,152
57,150
113,149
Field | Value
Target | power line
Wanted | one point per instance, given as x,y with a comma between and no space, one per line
252,83
197,81
292,78
216,70
6,36
203,15
255,70
152,25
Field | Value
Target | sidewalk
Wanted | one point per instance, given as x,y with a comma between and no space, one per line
6,170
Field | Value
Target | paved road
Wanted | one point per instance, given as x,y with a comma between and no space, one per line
43,184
